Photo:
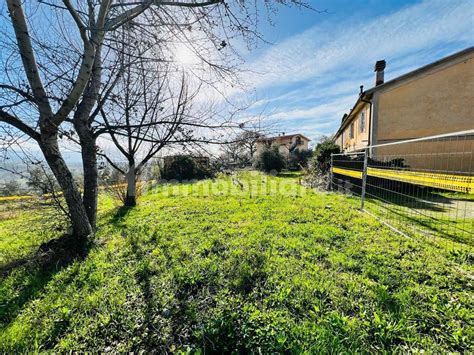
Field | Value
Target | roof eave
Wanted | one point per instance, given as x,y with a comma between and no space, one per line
364,97
422,69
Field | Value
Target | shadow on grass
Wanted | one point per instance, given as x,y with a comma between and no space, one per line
120,213
429,210
30,275
398,193
143,278
427,225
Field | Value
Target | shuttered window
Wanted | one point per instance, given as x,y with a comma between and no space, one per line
362,122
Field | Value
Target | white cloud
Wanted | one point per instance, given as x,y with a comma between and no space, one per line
321,50
316,74
317,112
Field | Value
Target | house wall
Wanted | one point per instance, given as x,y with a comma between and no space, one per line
303,146
284,145
448,155
361,138
441,101
284,150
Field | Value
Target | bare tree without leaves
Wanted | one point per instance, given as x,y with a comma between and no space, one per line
240,152
55,69
143,116
150,108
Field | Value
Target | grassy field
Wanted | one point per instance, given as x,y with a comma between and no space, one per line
248,264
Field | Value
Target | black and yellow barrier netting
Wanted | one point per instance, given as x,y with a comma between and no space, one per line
452,182
348,172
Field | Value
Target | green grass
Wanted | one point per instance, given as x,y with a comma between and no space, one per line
24,226
213,267
451,224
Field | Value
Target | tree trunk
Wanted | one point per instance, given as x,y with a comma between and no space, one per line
90,196
131,197
88,140
89,167
82,229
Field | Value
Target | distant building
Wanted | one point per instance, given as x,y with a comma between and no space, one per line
286,143
432,100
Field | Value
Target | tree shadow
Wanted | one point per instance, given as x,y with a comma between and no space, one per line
120,213
398,193
29,276
431,210
143,276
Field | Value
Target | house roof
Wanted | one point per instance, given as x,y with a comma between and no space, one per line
366,95
284,136
422,69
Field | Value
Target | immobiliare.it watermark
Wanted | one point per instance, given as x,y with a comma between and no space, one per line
248,184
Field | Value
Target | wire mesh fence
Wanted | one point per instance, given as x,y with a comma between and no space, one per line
419,187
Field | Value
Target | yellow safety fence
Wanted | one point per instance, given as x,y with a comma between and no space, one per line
26,197
452,182
352,173
59,193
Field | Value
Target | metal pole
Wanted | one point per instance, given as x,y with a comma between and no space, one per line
364,180
330,173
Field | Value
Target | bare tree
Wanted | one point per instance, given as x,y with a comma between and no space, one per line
143,117
151,108
56,67
241,151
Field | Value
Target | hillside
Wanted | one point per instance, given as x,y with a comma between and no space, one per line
253,263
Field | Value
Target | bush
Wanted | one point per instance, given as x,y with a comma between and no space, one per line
10,188
299,158
270,159
316,173
42,181
184,167
322,154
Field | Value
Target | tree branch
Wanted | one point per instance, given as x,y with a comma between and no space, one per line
86,68
19,92
27,56
17,123
141,6
77,19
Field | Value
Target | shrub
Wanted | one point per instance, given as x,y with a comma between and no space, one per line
184,167
316,173
322,154
270,159
10,188
299,158
42,181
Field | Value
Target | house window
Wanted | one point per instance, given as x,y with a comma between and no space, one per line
362,122
351,131
299,141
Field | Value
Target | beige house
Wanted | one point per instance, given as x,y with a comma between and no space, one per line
432,100
286,143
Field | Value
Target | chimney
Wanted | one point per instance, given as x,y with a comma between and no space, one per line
379,72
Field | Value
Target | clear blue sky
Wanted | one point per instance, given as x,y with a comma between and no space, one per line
311,73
